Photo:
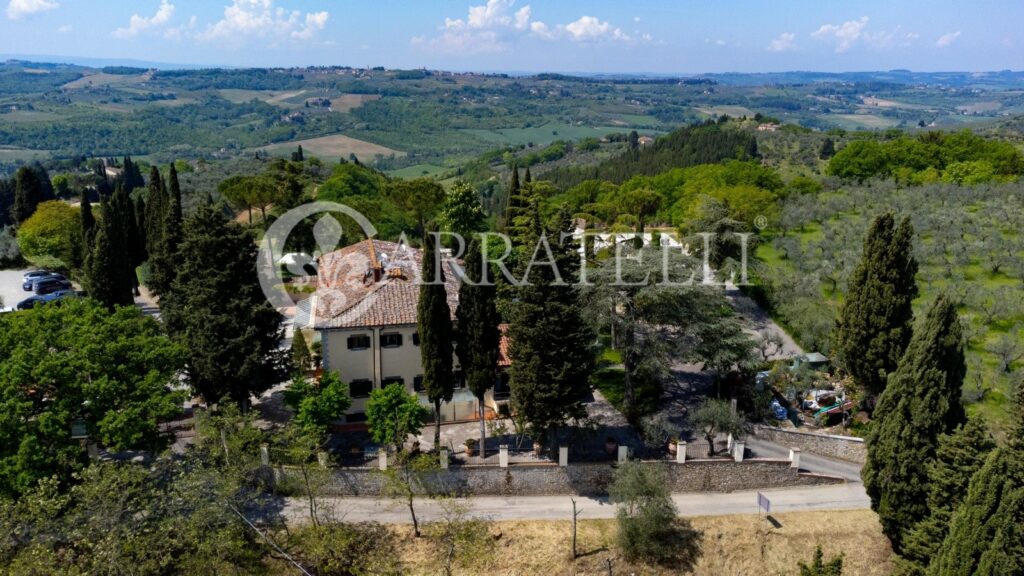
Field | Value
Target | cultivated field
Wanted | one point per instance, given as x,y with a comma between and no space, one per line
103,79
333,147
734,111
545,134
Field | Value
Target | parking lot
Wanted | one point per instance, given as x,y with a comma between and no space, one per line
10,287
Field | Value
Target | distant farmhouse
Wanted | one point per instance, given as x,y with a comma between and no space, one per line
365,311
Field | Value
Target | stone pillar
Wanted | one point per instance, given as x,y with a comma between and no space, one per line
732,405
794,458
563,456
443,452
321,458
728,442
681,452
382,459
737,451
264,455
503,456
623,453
93,450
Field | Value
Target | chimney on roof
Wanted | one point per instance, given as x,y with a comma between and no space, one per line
375,266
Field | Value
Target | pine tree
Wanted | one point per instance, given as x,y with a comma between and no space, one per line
958,457
217,311
479,336
28,193
875,322
921,402
434,323
550,343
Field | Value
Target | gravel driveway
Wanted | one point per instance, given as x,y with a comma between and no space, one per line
10,287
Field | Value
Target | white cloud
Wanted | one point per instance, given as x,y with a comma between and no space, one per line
18,8
65,28
262,18
844,35
947,39
493,26
785,41
137,24
590,29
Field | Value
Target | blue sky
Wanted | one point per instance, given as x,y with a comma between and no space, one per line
668,36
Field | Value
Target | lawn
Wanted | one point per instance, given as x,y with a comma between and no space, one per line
417,170
738,544
545,134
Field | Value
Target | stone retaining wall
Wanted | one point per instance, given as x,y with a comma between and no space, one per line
842,447
585,478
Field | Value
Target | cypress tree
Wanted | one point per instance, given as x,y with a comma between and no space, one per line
156,208
6,201
527,177
828,149
131,176
28,193
479,336
165,251
550,344
958,458
88,219
107,271
511,196
875,323
434,323
140,225
301,357
127,240
217,311
920,403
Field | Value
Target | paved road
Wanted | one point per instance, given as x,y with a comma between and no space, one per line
808,462
833,497
10,288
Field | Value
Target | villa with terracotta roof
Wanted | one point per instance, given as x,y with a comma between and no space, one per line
364,309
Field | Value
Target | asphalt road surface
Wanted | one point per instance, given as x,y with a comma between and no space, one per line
832,497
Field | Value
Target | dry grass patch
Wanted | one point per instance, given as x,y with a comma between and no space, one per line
731,545
330,148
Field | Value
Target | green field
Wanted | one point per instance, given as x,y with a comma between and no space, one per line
23,155
545,134
417,170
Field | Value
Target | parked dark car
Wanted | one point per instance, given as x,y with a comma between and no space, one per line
51,285
30,302
39,299
30,283
36,274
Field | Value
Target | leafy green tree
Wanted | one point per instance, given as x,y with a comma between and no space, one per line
875,322
819,567
714,417
316,405
407,478
642,203
649,525
79,361
217,310
958,458
461,212
392,414
434,323
52,236
420,198
920,403
550,342
478,334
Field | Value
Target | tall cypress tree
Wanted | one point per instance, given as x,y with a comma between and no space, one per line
217,311
550,343
28,193
165,251
527,177
156,208
875,323
513,193
127,241
131,176
958,458
88,219
140,225
434,323
479,336
920,403
107,278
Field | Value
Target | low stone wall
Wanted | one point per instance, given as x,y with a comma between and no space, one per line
584,478
842,447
